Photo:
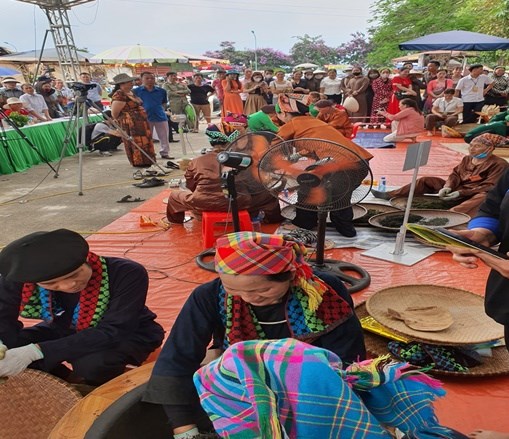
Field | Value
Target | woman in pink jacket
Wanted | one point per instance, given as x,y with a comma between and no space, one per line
407,124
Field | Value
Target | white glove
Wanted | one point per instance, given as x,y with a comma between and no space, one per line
452,195
444,191
16,360
190,434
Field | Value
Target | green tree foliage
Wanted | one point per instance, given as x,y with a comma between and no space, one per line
356,50
313,50
495,21
395,21
267,57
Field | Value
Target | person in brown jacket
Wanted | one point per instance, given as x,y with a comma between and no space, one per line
336,118
356,88
300,125
205,192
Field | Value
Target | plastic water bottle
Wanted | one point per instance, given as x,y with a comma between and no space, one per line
382,185
257,221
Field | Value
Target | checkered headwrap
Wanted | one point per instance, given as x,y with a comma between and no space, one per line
489,140
261,254
286,388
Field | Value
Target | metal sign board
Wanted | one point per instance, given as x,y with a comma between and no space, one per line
417,155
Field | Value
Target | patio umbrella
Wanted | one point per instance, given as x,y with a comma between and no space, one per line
456,40
306,65
5,71
138,54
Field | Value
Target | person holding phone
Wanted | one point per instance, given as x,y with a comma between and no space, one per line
490,227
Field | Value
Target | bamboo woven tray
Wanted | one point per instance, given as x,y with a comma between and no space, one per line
471,324
455,218
32,403
422,202
498,364
378,208
358,211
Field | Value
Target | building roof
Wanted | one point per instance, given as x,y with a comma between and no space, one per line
31,56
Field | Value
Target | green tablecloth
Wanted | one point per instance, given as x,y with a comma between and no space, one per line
47,137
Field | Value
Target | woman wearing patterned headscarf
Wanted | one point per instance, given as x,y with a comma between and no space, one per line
265,290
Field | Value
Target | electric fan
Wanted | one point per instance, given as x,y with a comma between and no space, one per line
250,146
318,176
254,145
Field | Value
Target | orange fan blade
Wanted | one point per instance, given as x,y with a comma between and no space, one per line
335,166
279,162
316,196
259,146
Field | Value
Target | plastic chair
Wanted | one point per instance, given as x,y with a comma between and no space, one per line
356,127
210,225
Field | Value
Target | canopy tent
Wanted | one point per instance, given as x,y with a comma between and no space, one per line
456,40
32,56
6,71
432,53
207,59
138,54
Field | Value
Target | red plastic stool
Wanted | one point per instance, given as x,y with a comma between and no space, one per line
210,220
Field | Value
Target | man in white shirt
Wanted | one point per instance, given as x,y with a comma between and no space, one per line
445,110
35,103
64,94
94,94
331,86
472,89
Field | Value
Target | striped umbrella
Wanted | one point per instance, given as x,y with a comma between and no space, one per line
138,54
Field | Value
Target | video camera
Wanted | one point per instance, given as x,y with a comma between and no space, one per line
81,88
236,160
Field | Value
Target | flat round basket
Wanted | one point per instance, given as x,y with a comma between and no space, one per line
373,209
422,202
497,364
471,324
32,403
358,211
453,218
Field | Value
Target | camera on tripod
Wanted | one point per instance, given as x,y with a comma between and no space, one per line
81,88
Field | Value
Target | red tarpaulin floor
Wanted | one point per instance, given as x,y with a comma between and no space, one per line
470,403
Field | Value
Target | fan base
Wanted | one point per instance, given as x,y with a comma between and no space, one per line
410,255
340,269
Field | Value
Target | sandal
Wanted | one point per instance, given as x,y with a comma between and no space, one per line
172,165
304,236
130,199
150,182
154,171
138,175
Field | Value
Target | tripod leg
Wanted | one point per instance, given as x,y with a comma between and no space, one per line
5,144
80,144
72,125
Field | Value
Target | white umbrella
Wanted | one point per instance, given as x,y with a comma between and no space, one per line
138,54
306,65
